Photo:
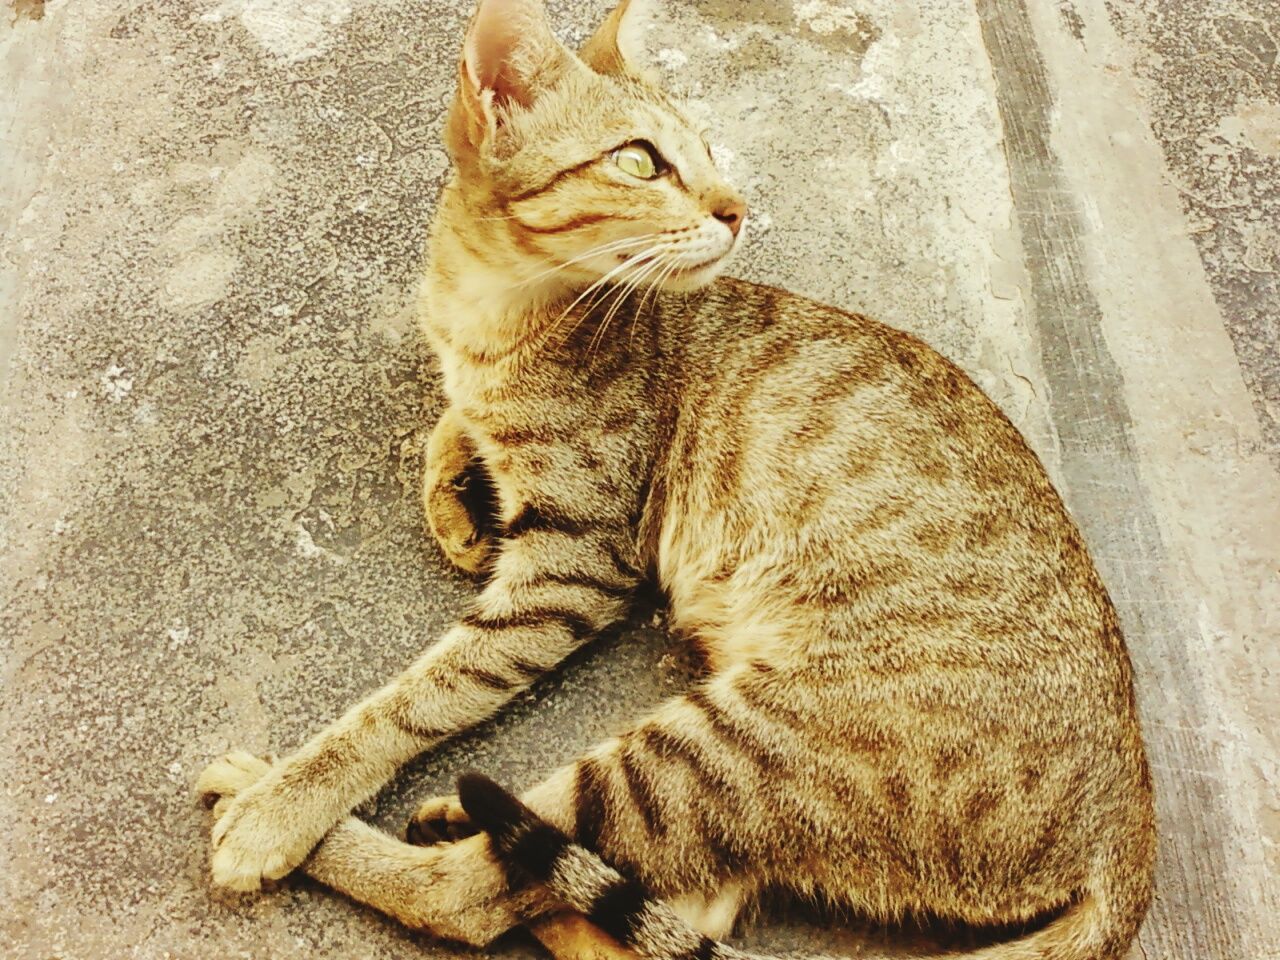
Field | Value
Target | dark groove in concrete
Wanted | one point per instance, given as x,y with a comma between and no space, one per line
1207,67
1098,463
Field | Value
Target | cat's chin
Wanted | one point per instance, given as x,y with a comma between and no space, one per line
695,278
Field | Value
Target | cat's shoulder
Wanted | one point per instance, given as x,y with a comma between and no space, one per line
761,305
741,315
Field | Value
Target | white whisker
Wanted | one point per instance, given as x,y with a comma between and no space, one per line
626,289
597,285
614,245
655,285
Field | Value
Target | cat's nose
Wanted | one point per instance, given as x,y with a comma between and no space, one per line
731,213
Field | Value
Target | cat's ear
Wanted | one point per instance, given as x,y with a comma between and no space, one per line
509,56
510,51
617,48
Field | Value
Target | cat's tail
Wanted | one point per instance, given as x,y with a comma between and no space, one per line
533,850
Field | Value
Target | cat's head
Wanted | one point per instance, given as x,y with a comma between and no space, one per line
577,166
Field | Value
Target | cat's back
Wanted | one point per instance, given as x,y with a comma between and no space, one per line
733,315
865,466
791,370
762,329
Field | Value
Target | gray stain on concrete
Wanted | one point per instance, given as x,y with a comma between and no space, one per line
1213,82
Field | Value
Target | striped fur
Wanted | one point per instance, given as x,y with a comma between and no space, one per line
917,699
533,851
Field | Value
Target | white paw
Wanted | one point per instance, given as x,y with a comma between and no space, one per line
439,820
228,776
259,832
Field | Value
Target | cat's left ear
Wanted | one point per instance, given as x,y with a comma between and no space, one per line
616,49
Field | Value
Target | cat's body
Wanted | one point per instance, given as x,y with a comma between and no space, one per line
917,700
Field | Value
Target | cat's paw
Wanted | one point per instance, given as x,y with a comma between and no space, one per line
459,506
261,832
439,820
229,776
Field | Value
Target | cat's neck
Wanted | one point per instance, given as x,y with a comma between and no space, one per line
482,308
490,316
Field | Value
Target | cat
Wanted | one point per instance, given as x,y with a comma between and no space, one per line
917,699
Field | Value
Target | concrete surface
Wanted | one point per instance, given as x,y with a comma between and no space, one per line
215,398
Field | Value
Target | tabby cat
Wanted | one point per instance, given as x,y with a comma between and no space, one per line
917,699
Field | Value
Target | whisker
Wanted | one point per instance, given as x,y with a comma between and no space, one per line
619,292
594,251
627,288
602,248
654,286
598,284
639,263
657,283
656,271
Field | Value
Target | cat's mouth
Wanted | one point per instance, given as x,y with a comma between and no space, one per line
703,265
675,269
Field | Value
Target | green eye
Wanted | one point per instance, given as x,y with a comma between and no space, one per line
638,159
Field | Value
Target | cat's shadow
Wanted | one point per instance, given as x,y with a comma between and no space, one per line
789,928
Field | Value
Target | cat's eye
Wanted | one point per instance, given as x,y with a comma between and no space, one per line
639,159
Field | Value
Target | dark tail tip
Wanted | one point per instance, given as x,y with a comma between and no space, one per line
527,844
490,807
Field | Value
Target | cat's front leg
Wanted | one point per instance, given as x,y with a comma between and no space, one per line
556,583
452,890
457,495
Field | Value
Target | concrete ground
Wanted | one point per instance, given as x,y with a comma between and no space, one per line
214,398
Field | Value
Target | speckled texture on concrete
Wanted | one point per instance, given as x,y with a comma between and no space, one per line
215,399
1211,77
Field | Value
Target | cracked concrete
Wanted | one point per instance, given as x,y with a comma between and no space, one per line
215,399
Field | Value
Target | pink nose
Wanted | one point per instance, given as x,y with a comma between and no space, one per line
731,213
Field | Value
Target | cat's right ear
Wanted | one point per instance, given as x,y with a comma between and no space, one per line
508,57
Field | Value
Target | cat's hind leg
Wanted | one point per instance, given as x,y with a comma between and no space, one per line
438,820
571,936
566,935
682,802
611,915
454,890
